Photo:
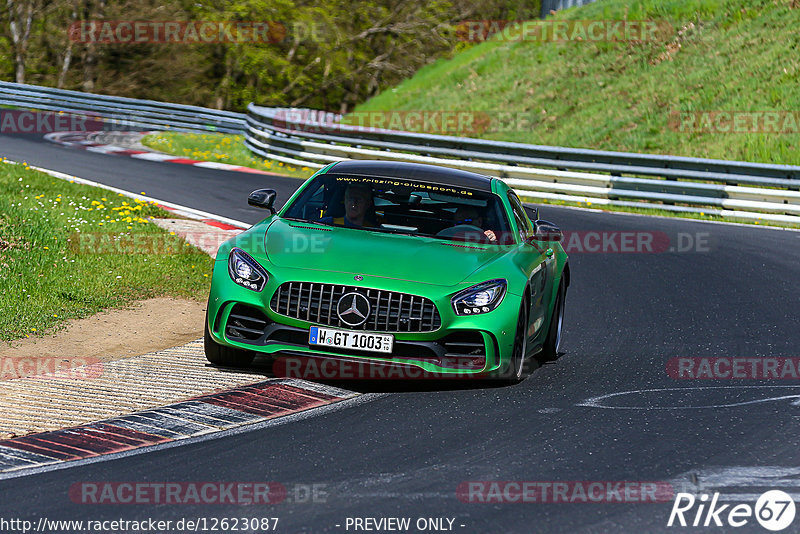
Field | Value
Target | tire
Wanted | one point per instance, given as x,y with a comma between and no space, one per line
550,349
516,367
225,356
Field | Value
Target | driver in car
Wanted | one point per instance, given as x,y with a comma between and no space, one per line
470,216
357,206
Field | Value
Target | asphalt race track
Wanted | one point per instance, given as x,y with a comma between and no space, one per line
403,449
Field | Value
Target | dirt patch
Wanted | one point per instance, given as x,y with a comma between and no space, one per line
147,326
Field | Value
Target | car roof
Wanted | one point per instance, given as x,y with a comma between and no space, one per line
414,171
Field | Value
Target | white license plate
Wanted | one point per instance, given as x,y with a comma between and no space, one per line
348,339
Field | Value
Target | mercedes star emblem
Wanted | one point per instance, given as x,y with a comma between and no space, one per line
353,309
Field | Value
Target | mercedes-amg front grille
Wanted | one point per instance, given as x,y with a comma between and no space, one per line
389,311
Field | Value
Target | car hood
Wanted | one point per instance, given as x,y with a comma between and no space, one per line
295,245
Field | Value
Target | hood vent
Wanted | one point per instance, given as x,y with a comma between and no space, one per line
310,227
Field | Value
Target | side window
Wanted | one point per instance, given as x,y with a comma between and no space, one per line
521,218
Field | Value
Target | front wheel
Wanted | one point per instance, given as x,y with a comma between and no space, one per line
225,356
516,366
553,341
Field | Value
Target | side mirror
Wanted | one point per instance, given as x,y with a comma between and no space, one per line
263,198
546,231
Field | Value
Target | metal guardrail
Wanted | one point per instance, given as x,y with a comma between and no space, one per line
120,111
680,184
309,138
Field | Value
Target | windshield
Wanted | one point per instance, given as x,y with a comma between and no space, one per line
401,206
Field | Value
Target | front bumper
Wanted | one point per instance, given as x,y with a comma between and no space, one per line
461,345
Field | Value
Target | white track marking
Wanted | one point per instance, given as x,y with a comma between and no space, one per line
598,402
217,165
153,156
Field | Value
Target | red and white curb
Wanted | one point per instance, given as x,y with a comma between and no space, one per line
92,141
200,416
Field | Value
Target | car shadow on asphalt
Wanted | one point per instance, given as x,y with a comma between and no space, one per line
387,382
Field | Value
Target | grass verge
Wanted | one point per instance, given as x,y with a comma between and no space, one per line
69,250
222,148
720,55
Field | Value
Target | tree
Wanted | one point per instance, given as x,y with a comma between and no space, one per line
325,54
20,15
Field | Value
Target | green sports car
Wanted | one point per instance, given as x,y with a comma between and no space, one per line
433,270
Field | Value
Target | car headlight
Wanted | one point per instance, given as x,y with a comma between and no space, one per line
246,271
481,298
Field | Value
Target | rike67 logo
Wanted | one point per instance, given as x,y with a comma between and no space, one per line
774,510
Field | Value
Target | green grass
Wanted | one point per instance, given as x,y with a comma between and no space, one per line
732,55
222,148
69,250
